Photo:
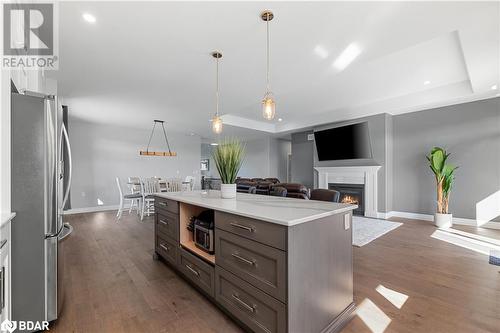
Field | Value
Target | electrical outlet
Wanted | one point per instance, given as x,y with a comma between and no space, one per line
347,221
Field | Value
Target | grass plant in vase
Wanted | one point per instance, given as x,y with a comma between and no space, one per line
228,157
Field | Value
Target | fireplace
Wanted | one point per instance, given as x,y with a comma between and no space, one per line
364,177
351,193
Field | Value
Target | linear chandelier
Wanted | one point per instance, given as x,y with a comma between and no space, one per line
168,153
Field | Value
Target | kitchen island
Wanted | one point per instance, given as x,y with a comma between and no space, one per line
279,264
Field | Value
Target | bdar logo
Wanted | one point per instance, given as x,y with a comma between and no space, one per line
8,325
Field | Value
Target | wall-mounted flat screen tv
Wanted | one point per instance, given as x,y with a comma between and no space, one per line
344,143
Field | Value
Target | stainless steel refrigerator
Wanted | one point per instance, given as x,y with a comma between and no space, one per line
39,191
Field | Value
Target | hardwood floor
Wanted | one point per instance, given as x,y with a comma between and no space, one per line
113,285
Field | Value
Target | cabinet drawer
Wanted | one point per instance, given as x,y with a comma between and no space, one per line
167,204
196,270
260,265
259,311
168,224
167,248
264,232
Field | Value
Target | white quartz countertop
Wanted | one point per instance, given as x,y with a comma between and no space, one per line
6,217
284,211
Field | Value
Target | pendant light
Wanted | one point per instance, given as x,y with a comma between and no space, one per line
217,120
268,103
168,153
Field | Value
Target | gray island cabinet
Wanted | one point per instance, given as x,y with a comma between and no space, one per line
280,264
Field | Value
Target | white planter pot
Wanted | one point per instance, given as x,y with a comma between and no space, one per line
443,220
228,191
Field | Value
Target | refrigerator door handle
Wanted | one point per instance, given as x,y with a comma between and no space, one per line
64,133
55,234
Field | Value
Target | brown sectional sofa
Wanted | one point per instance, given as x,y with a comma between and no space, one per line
293,190
255,185
272,186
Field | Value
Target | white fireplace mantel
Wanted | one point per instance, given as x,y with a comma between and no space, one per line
366,175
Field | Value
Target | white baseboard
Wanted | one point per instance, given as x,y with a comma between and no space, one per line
429,217
90,209
407,215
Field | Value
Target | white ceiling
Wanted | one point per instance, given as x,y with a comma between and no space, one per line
143,61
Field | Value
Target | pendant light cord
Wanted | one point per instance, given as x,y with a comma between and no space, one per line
268,52
217,88
151,136
166,139
164,133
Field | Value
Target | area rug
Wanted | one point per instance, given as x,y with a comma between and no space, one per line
366,230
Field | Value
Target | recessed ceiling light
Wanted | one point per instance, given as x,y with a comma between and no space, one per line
347,56
321,52
214,144
89,17
494,87
280,119
427,82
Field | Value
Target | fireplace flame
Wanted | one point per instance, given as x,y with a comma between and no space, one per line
350,199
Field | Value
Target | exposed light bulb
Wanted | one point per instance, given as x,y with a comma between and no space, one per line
268,108
217,124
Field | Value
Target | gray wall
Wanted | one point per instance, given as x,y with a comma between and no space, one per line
103,152
302,159
256,162
389,162
206,152
470,132
266,157
278,158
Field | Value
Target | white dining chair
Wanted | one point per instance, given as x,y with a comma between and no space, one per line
172,185
149,186
188,183
132,197
134,185
163,185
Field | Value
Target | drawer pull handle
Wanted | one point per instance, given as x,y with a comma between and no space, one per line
244,227
162,203
245,260
166,248
164,222
243,304
195,272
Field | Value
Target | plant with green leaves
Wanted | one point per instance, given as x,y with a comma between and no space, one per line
228,156
444,177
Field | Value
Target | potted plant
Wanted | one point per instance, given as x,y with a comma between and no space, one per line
444,180
228,157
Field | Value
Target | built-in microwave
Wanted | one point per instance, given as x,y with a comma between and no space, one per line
203,231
